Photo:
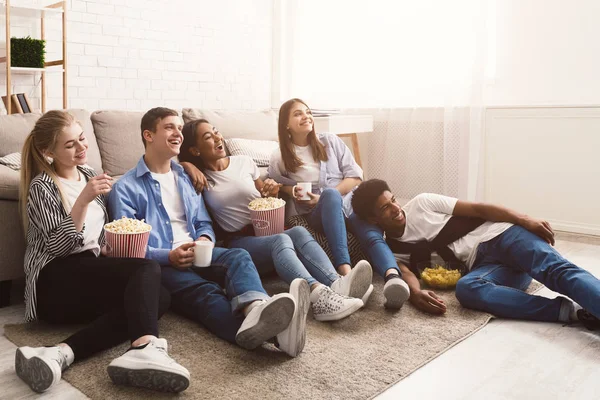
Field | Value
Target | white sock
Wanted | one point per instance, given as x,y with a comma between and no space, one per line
573,312
252,305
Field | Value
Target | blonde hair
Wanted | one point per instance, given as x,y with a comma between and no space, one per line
33,160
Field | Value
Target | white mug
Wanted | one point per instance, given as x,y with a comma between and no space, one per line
203,253
304,189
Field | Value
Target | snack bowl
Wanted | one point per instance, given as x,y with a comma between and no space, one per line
441,276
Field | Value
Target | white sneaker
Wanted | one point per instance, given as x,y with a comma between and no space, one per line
365,298
292,339
150,367
356,283
40,367
328,305
395,292
266,320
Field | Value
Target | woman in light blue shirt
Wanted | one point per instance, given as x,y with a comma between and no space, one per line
325,161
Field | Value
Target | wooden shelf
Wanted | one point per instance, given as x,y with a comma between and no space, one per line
24,70
31,11
40,13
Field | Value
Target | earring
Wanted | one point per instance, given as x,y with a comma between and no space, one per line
287,127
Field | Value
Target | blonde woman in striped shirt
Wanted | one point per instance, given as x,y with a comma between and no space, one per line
69,281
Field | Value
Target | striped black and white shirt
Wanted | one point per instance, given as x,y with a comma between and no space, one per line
51,232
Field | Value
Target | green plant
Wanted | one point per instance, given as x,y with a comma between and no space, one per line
27,52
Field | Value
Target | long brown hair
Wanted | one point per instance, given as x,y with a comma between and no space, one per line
291,161
33,161
189,140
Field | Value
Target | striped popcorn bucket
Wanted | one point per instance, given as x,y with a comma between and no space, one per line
267,222
127,245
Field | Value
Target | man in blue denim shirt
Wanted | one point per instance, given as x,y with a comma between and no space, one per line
503,252
158,191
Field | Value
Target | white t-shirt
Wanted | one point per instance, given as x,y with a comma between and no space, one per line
173,203
94,217
310,170
426,215
232,191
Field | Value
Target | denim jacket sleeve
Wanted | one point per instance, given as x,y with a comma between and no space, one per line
121,203
202,222
345,160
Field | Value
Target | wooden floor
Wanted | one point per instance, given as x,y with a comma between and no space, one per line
504,360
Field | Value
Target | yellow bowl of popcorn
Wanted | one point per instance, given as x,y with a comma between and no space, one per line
440,276
267,214
127,237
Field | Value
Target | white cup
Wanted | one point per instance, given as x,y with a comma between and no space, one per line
304,189
203,253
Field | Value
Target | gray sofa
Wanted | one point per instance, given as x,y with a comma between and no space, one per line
115,146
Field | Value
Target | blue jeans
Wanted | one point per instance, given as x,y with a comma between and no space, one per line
373,245
504,267
293,254
202,300
328,217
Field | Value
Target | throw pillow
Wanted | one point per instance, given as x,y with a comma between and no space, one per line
259,150
12,161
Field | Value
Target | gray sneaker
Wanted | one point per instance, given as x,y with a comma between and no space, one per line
357,283
395,292
292,339
150,367
266,320
40,367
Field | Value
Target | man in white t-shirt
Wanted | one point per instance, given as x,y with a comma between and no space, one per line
503,252
158,191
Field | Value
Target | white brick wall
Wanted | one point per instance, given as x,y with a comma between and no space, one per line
138,54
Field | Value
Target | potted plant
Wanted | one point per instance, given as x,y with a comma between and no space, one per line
27,52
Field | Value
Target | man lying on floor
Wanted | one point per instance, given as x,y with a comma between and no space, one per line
502,249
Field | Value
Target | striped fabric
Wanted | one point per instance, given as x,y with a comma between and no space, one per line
259,150
12,161
51,232
354,249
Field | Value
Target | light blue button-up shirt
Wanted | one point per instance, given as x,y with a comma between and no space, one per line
340,165
137,195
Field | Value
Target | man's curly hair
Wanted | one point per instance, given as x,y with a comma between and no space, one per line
365,196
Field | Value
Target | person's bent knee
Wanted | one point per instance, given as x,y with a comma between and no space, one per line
298,233
330,195
464,292
239,254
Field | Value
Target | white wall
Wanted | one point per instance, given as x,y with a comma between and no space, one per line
137,54
547,53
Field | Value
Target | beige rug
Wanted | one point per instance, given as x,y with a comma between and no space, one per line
356,358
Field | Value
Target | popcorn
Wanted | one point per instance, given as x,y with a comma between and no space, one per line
127,225
267,203
440,277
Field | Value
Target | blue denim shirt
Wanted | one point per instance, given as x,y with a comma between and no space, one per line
340,165
137,195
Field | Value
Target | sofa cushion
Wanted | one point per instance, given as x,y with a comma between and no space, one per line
9,183
93,153
14,129
12,161
119,139
258,125
259,150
